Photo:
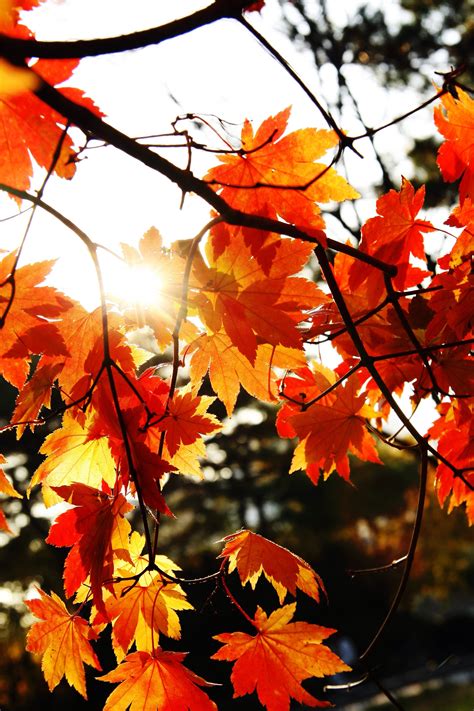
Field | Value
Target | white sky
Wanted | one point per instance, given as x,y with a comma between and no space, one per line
218,69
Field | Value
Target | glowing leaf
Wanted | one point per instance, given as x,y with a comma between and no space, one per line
28,330
393,236
269,158
33,129
156,681
139,614
97,531
328,431
278,658
455,121
253,555
187,420
5,486
35,395
63,640
72,456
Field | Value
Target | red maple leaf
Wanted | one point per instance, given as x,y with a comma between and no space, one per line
97,531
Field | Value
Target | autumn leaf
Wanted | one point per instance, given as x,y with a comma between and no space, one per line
454,432
394,236
139,614
5,486
253,555
252,307
156,681
29,327
63,640
4,523
136,459
229,369
97,531
455,121
72,455
187,420
164,269
34,395
328,431
288,162
7,489
278,658
31,129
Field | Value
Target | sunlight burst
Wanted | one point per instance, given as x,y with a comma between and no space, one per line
136,285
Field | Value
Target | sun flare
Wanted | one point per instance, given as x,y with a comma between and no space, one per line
135,285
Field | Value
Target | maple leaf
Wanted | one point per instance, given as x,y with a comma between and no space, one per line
165,269
83,332
452,304
72,455
229,369
454,430
29,328
34,395
237,296
5,486
253,555
63,640
33,129
156,681
278,658
7,489
455,121
137,461
187,419
97,531
4,523
328,431
287,162
393,236
140,613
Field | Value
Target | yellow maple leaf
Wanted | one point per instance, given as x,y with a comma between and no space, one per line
63,640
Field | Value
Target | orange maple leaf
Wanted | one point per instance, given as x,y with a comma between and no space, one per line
5,486
156,681
7,489
250,305
327,431
393,236
165,269
97,531
269,158
63,640
33,129
229,369
454,430
34,395
278,658
187,420
72,455
30,330
253,555
141,612
455,121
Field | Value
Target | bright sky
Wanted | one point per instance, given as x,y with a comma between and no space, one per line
218,69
